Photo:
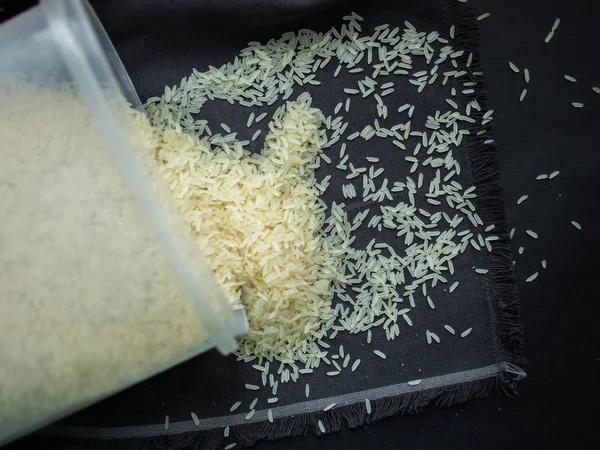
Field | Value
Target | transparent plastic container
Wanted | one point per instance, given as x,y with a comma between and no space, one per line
101,283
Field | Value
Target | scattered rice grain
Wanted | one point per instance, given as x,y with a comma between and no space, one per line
380,354
466,332
532,277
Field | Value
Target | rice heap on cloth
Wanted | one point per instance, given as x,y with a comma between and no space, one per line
257,218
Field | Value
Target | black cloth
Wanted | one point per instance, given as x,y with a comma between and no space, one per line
452,372
540,135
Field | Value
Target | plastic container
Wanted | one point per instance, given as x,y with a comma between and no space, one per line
101,284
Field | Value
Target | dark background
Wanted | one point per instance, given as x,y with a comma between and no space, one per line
557,405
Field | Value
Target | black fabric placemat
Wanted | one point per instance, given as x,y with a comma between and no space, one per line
209,384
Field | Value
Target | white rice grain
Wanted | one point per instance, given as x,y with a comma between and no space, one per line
380,354
532,277
523,94
466,332
533,234
321,426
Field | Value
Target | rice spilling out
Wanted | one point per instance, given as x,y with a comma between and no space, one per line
275,247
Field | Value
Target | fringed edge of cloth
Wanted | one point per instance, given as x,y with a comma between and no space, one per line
503,296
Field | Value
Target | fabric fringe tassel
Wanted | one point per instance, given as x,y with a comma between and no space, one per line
503,299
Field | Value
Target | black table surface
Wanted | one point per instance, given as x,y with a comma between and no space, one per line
557,404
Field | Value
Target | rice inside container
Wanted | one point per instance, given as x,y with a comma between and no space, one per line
101,284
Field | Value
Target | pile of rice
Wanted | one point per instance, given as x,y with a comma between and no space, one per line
257,218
